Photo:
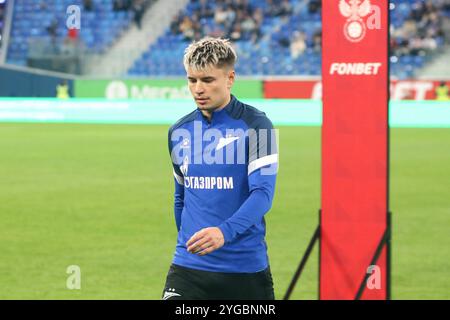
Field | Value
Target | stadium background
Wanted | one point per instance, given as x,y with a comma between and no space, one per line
87,181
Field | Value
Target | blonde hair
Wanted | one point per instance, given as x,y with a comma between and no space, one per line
209,52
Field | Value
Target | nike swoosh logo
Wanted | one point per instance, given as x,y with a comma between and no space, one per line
168,295
225,141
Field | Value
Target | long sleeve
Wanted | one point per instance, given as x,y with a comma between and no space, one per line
262,170
179,188
253,209
178,202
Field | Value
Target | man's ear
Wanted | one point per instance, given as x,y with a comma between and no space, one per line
231,77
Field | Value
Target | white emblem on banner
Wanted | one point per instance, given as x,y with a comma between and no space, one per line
354,11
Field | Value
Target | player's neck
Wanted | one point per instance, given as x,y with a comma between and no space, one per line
208,113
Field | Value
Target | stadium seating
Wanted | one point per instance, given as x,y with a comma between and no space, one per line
269,56
32,18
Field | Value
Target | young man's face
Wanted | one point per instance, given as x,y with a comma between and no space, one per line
210,87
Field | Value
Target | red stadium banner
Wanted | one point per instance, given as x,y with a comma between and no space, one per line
292,89
354,210
312,89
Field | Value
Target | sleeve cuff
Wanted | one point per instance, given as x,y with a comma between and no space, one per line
227,232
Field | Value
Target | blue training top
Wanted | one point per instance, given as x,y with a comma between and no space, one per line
224,172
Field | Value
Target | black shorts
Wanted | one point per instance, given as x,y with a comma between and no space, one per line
189,284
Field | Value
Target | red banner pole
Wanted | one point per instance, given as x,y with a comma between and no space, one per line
355,73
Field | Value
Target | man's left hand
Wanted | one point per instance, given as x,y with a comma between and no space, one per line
205,241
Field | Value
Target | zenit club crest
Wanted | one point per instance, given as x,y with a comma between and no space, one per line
354,11
185,144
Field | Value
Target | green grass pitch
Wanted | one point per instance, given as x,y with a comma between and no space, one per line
100,197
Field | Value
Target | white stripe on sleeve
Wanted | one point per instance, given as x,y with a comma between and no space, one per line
261,162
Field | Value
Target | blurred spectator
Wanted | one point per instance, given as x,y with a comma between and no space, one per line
442,92
272,8
187,28
138,9
51,30
231,17
244,6
314,6
277,9
121,5
298,44
317,41
88,5
236,34
62,90
248,25
284,41
175,24
285,8
220,16
258,16
205,10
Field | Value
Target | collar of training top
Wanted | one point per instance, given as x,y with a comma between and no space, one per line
228,109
